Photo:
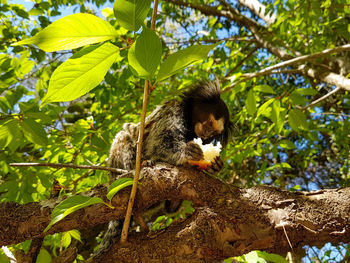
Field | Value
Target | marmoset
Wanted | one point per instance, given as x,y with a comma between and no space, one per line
169,133
171,128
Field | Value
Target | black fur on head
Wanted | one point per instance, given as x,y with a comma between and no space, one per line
204,91
207,93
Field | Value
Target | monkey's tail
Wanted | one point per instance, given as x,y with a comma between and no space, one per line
112,234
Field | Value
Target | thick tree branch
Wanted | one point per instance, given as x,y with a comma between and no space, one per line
259,9
228,221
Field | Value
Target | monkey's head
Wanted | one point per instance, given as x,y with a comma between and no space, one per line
208,115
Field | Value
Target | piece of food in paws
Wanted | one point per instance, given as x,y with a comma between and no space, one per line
210,151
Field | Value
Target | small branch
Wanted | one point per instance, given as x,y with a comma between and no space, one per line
72,166
304,58
154,15
249,76
124,235
332,78
322,98
194,41
240,63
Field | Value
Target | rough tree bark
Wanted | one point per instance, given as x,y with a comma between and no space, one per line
228,221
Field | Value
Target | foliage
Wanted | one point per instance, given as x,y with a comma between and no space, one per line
86,94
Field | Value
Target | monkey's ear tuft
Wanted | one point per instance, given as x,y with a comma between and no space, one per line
204,91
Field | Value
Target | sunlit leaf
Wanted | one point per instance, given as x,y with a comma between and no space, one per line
118,185
286,144
250,102
264,89
81,73
263,108
183,58
34,131
297,120
71,32
7,132
131,14
144,55
70,205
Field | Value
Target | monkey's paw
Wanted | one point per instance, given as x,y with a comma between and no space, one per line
193,152
216,165
148,163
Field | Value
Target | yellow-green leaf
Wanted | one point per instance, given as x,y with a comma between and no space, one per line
71,32
81,73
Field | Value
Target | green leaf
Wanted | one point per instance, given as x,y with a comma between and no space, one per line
34,132
43,256
273,258
71,32
297,120
118,185
81,73
278,115
306,91
76,235
66,240
8,131
286,144
265,89
251,103
144,55
263,108
70,205
183,58
131,14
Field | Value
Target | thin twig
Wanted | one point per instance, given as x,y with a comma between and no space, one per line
72,166
248,76
124,235
322,98
240,63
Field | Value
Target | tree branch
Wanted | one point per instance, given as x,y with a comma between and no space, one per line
228,221
298,60
259,9
322,98
264,37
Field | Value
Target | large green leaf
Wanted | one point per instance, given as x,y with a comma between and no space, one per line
70,205
34,131
183,58
8,131
81,73
265,89
278,114
250,102
118,185
297,120
131,13
70,32
144,55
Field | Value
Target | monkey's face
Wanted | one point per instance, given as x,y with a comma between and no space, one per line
207,127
